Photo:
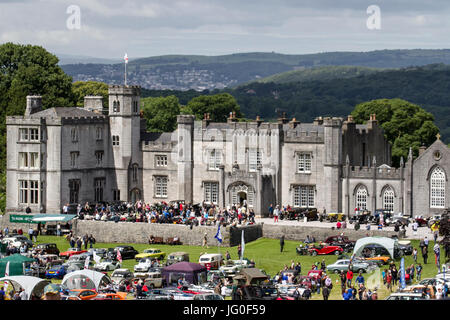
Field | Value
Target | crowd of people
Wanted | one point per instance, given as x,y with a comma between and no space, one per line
176,212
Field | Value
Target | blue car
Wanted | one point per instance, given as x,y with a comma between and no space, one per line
58,272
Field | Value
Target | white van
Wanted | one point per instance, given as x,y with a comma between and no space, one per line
212,261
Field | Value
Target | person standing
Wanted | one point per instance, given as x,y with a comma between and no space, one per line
437,255
281,243
349,277
419,271
275,214
414,253
30,233
425,254
205,241
325,293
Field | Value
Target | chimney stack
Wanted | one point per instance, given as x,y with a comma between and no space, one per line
34,104
94,104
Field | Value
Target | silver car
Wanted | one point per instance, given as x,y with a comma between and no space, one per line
343,265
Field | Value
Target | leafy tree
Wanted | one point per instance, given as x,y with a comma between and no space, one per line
90,88
25,70
218,106
161,113
405,124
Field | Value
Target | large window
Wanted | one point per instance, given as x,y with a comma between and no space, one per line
28,191
211,192
388,199
161,187
215,159
135,172
29,160
99,158
304,162
437,188
29,134
74,190
361,198
74,159
99,185
254,159
304,196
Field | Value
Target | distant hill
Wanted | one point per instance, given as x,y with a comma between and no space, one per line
75,59
185,72
427,86
320,73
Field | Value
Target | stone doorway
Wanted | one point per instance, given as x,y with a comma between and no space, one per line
242,198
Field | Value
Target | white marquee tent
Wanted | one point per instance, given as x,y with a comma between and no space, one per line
31,285
388,243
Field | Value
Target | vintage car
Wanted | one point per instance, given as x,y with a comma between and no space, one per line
120,275
57,271
334,217
83,294
107,265
405,296
342,241
232,267
111,296
101,252
175,257
154,280
344,265
208,296
46,258
126,252
406,247
144,265
211,260
315,273
324,249
150,253
46,248
78,260
17,241
71,252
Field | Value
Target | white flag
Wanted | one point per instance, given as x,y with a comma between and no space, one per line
97,258
7,269
242,245
126,58
86,262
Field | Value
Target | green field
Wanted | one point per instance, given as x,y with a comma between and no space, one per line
266,254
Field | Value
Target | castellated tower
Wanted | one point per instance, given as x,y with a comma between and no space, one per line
333,162
124,120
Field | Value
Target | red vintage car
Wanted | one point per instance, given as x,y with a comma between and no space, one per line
324,249
71,252
315,273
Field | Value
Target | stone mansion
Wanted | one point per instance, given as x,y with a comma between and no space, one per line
77,155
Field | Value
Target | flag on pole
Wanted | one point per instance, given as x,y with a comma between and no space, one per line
7,269
242,245
119,256
402,274
96,257
126,58
218,235
86,262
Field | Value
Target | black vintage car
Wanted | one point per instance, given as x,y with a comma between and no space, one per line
127,252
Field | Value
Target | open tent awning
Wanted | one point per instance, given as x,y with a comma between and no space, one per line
388,243
40,218
31,285
53,217
85,279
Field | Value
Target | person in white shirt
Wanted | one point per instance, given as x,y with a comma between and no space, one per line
275,214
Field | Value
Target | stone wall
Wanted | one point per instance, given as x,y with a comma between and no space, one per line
299,233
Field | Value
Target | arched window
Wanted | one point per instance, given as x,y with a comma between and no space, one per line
361,198
437,188
135,172
388,199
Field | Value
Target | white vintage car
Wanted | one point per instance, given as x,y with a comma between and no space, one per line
233,267
143,266
107,265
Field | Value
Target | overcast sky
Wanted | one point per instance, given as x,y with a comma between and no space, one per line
142,28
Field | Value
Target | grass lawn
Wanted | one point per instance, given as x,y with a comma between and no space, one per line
266,254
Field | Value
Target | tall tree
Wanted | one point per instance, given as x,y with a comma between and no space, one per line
90,88
218,106
25,70
161,113
405,124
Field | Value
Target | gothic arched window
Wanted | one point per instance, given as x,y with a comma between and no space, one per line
361,198
437,188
